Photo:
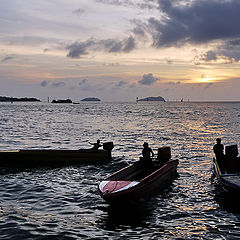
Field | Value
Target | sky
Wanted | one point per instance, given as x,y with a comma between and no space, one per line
118,50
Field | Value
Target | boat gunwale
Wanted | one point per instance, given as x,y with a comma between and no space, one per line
145,182
228,186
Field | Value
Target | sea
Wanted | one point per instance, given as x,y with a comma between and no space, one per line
62,202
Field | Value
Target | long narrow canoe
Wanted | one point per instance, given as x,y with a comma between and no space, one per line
55,157
228,178
135,181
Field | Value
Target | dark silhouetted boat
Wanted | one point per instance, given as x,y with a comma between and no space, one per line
228,175
62,101
135,181
48,157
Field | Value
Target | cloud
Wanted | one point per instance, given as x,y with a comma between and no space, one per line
148,79
82,82
58,84
8,57
208,85
228,52
85,85
44,83
195,22
150,4
121,83
77,49
174,83
230,49
79,11
209,55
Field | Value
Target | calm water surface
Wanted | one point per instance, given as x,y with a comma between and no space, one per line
63,203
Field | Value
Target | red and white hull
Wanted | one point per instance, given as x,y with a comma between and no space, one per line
118,187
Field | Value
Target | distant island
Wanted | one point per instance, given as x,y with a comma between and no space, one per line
91,99
14,99
153,99
62,101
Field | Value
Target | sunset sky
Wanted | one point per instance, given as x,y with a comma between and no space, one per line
118,50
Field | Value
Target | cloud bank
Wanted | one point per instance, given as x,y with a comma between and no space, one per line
148,79
77,49
195,22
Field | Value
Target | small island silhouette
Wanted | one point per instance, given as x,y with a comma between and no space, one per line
159,98
62,101
14,99
91,99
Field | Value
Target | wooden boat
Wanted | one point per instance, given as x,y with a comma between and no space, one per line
135,181
55,157
228,174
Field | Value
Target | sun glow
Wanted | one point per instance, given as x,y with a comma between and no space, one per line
207,79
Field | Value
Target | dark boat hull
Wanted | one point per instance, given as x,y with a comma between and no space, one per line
157,180
230,182
52,157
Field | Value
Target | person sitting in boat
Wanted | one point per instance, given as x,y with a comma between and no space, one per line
147,155
218,150
96,145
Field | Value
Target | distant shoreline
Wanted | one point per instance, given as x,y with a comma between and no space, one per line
14,99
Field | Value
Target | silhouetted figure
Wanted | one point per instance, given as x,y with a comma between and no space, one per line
218,150
147,153
96,145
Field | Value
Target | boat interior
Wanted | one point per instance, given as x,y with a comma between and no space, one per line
230,162
136,172
143,168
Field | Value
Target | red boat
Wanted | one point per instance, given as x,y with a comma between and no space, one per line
135,181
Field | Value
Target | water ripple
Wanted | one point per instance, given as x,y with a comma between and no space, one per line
63,203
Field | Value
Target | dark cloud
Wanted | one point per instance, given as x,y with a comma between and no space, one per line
150,4
174,83
121,84
148,79
208,85
8,57
46,50
82,82
44,83
209,55
195,22
79,11
140,28
58,84
85,85
129,44
111,64
133,85
228,52
77,49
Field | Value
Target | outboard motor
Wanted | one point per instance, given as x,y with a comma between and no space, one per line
108,146
231,151
164,154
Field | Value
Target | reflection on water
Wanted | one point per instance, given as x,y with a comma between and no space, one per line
227,201
119,217
63,203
